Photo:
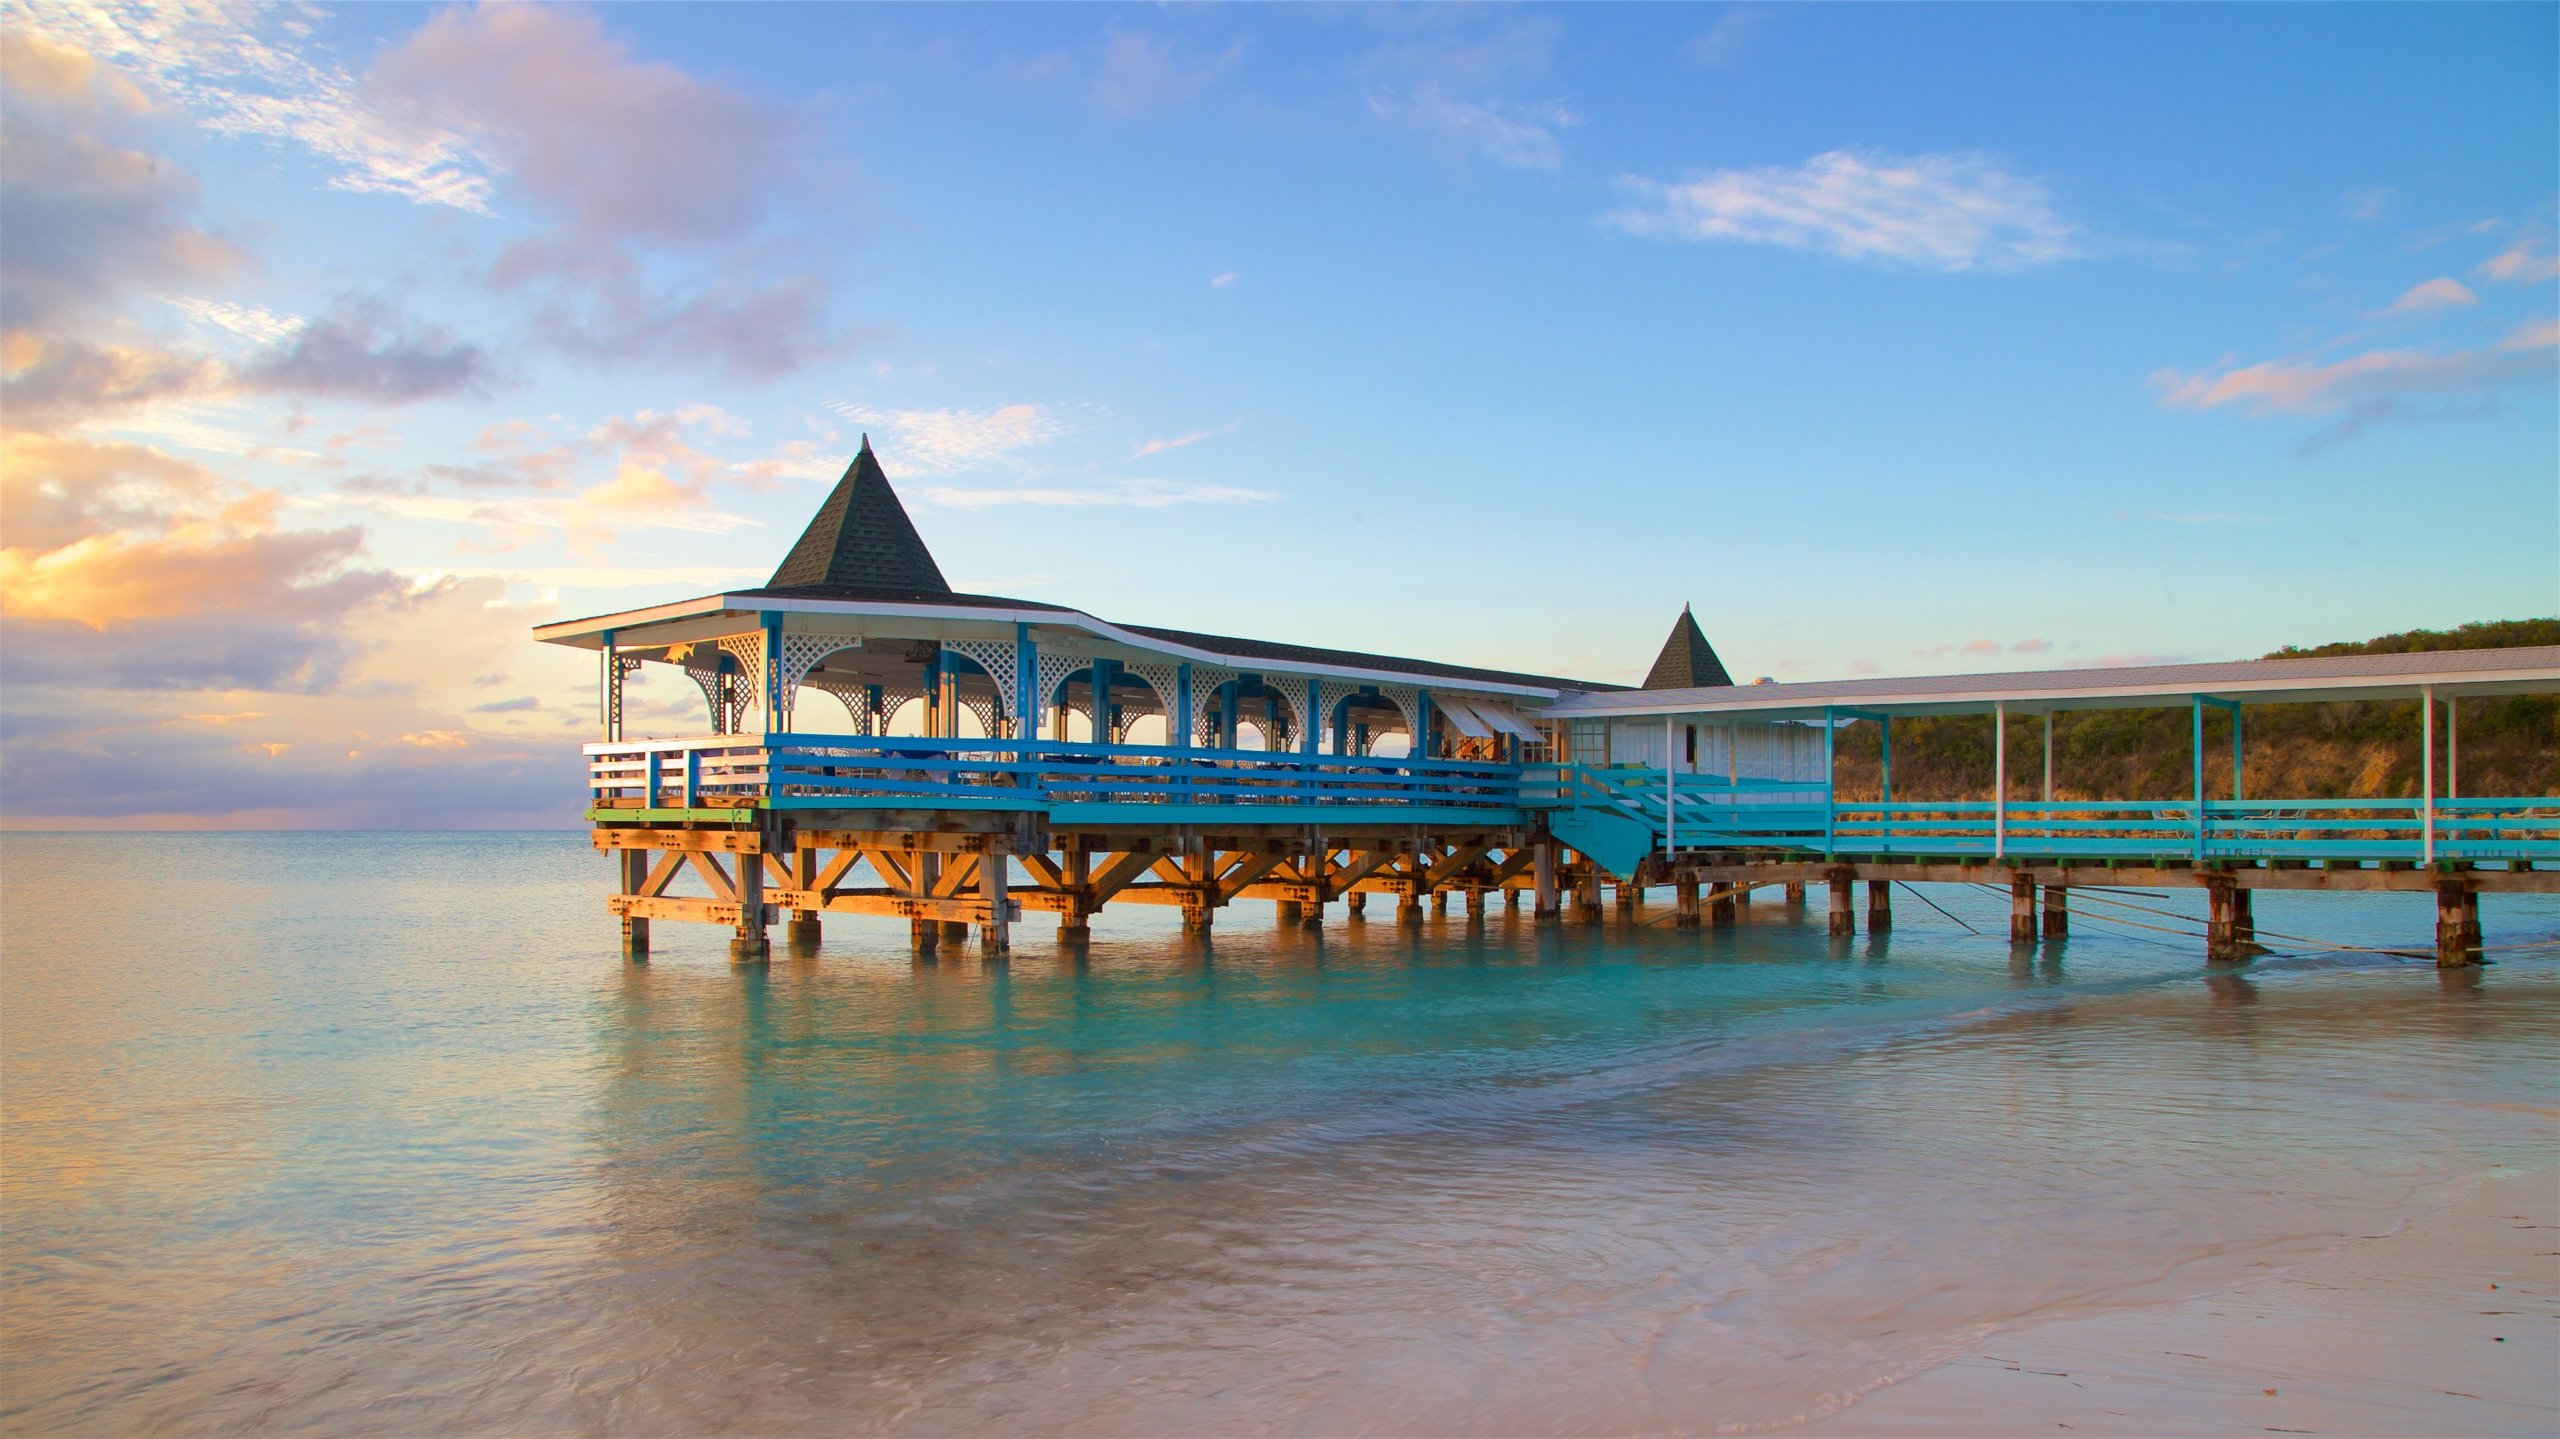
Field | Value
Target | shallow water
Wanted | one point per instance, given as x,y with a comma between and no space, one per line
375,1133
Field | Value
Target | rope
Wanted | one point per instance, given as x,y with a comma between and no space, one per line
1933,904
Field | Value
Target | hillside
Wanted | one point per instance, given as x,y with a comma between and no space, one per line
2510,744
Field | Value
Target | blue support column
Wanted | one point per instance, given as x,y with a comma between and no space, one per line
874,723
772,672
1177,728
1422,723
2235,750
1315,722
1884,740
1226,737
1830,788
1026,670
2195,760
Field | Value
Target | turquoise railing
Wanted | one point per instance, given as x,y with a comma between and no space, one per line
1708,812
863,771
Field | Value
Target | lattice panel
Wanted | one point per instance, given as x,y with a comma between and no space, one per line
1052,668
800,655
990,718
722,697
1165,680
748,651
1329,697
1293,696
997,658
855,697
1206,680
892,697
1408,702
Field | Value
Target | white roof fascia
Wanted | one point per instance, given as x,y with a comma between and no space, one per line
589,634
2530,670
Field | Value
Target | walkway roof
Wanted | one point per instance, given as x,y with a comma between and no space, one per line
2529,670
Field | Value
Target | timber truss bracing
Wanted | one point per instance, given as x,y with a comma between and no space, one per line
949,874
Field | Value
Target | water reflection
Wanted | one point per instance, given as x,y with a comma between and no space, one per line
359,1165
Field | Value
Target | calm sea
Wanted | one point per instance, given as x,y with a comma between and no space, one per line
377,1134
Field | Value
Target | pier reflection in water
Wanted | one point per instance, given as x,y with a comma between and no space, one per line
330,1166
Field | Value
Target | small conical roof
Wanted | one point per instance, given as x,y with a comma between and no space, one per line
862,539
1687,661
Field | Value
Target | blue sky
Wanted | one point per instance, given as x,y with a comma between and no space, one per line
343,346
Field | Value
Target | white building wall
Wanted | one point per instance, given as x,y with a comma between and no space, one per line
1765,750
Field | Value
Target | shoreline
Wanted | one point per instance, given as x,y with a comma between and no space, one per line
2397,1333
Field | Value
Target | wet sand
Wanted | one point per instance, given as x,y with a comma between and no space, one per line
2448,1326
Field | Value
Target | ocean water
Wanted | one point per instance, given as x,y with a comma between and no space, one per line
354,1134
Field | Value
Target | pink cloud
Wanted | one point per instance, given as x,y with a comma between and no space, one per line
2305,387
2436,294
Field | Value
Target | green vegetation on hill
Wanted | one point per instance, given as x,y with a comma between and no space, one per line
2356,750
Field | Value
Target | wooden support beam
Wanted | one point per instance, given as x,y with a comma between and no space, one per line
1543,870
721,841
1879,905
722,887
2022,907
1684,900
2057,911
962,909
1843,880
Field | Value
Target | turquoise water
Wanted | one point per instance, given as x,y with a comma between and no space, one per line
376,1133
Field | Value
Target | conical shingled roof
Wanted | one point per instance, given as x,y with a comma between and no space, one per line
1687,661
861,539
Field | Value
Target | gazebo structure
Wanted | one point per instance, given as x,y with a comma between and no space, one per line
980,755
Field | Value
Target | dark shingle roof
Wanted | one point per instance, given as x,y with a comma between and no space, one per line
861,539
1279,653
1687,661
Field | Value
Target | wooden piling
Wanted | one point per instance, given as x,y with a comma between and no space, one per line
2222,906
1543,867
1720,905
635,879
1475,903
1795,894
2457,924
1684,896
2057,912
994,877
1843,881
2022,907
750,945
1287,912
1879,905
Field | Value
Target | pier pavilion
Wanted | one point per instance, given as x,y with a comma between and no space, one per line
874,742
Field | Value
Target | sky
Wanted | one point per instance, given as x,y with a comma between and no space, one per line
340,347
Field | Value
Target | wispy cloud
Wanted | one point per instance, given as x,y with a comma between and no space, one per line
1183,442
2521,264
1723,42
2437,294
2309,387
928,442
1941,212
2034,645
1222,279
240,70
1521,135
1113,494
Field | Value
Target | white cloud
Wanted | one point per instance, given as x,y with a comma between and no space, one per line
2520,264
246,321
927,442
2310,387
240,70
2435,294
1522,136
1222,280
1184,442
1116,494
1943,212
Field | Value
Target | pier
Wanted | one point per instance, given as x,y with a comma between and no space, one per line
875,743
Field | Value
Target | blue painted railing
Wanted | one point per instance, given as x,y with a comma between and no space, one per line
1100,782
1707,812
788,771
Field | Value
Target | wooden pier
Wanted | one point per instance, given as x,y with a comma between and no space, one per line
1195,770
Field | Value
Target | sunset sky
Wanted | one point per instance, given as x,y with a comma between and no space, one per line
343,346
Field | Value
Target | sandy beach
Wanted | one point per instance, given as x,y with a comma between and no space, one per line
2448,1326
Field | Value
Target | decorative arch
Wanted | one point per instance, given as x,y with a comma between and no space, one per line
1331,696
996,657
1206,681
1408,702
802,654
